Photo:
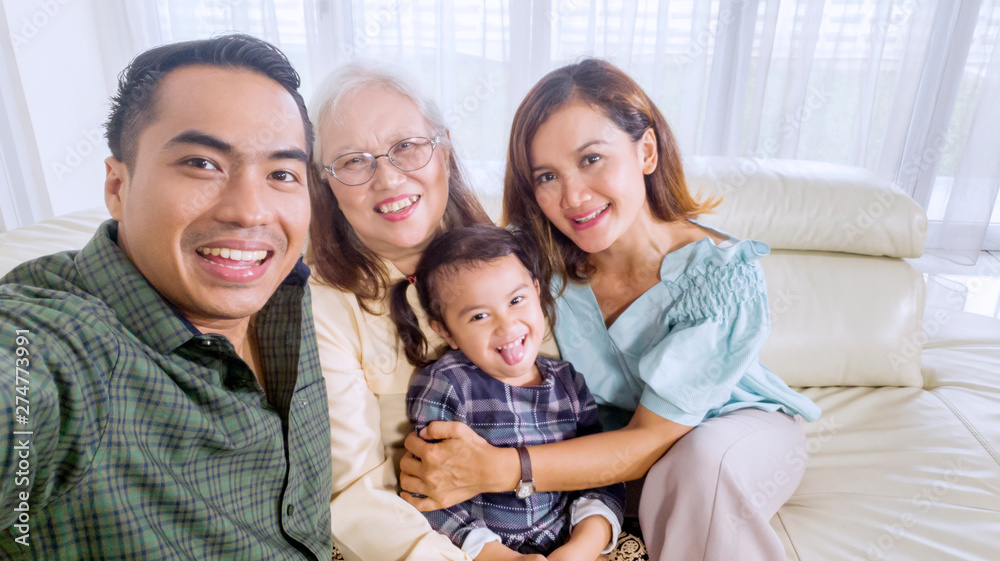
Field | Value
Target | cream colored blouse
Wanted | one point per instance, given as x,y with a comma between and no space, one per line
367,376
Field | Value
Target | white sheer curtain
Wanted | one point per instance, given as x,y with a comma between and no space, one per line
903,87
906,88
21,202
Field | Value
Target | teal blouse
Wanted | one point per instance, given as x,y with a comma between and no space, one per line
687,349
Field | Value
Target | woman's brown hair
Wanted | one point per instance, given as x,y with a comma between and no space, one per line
335,253
620,99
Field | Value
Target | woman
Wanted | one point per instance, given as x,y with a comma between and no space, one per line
385,181
664,317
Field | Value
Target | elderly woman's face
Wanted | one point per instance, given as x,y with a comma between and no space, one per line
396,212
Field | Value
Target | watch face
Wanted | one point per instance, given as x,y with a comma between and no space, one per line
525,490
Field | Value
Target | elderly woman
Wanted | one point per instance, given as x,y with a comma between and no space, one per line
385,181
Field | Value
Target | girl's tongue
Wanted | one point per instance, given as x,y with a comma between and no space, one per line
512,353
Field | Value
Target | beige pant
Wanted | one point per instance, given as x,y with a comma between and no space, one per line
711,496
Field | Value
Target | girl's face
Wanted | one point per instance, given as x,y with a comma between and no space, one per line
588,175
395,212
492,312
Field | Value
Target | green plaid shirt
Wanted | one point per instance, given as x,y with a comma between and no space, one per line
149,440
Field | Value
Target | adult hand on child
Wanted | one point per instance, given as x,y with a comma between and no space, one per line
448,463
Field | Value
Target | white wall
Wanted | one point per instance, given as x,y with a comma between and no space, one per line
58,55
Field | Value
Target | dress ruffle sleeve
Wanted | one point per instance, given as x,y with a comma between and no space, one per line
719,322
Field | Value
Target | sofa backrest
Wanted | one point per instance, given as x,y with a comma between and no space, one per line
846,309
70,231
815,206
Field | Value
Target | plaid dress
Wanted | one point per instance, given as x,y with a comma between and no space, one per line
455,389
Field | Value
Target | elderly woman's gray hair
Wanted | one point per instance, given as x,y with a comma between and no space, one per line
358,75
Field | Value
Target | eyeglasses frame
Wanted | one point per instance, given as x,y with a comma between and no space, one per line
434,142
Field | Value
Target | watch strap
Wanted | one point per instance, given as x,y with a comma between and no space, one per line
522,454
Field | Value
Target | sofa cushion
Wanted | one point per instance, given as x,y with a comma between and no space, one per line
795,204
843,320
896,473
962,368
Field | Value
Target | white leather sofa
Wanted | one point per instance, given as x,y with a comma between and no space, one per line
904,464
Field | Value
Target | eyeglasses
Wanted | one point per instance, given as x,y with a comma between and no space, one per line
410,154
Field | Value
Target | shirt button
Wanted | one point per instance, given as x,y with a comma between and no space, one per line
206,343
290,509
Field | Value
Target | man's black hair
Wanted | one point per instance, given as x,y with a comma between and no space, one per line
133,108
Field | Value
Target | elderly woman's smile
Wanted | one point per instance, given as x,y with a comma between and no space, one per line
397,208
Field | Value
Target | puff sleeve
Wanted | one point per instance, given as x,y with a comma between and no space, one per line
722,323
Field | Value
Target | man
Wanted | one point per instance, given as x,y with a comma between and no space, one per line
161,390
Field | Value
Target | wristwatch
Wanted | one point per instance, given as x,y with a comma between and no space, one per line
526,486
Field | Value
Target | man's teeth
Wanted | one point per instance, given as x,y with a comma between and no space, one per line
512,343
398,205
234,254
592,215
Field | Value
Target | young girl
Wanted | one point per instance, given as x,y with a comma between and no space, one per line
482,289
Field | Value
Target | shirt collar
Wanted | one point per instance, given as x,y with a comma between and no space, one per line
299,275
108,273
394,274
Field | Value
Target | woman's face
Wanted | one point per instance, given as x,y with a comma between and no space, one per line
395,213
588,175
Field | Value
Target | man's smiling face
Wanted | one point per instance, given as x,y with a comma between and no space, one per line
215,210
